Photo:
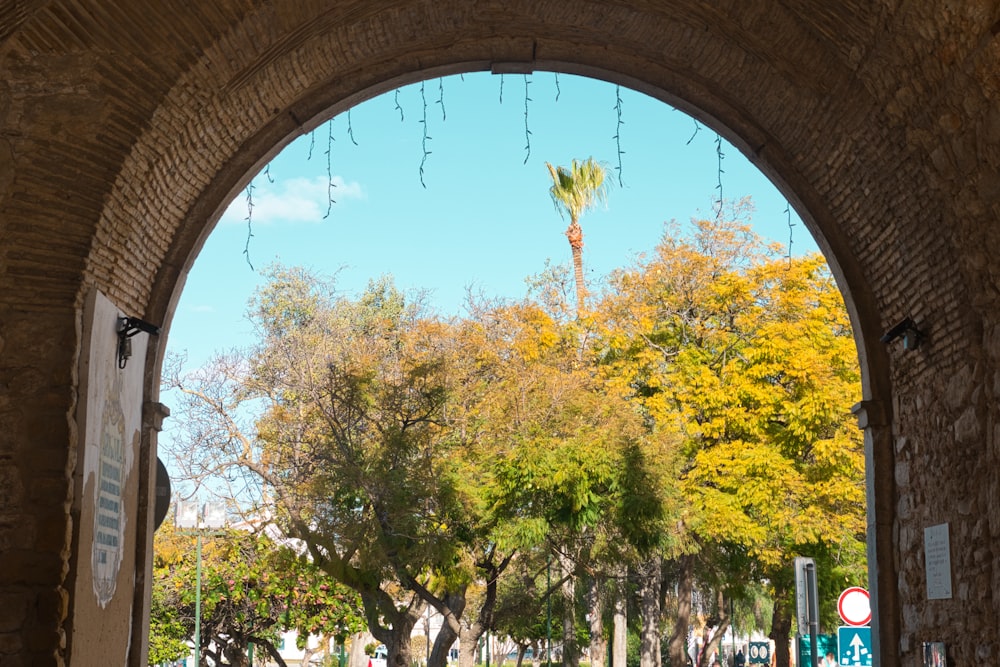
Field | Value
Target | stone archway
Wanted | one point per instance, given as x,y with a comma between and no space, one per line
124,128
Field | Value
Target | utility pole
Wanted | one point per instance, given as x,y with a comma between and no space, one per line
190,521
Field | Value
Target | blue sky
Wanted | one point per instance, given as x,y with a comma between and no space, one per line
483,216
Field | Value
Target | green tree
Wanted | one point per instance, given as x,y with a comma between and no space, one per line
696,425
569,459
575,190
356,447
252,590
749,358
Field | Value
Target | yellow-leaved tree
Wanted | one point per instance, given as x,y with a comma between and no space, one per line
749,357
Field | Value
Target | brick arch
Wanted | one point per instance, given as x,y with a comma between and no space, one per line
124,129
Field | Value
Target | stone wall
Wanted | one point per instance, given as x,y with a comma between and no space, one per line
126,126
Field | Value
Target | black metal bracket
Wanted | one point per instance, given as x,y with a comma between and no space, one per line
128,327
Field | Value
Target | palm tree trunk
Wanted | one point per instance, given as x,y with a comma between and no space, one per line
574,233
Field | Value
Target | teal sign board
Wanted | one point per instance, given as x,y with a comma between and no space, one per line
760,653
855,646
827,644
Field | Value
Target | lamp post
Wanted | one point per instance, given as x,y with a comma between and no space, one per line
190,521
548,612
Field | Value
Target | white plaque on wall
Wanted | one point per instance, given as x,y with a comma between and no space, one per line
937,562
105,501
110,417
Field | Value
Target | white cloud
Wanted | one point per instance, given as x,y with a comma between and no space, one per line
292,200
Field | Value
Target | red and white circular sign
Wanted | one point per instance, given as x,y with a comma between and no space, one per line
854,606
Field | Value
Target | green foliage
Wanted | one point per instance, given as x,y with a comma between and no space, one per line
749,359
632,652
701,409
252,589
579,187
168,632
574,190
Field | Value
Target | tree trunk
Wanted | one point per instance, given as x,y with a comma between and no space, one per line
451,629
442,644
379,606
356,657
308,653
574,233
454,624
571,657
649,604
619,642
781,625
598,641
398,648
236,655
499,649
271,650
712,641
468,643
678,636
521,650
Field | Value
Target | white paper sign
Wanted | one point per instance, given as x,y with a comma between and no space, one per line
937,562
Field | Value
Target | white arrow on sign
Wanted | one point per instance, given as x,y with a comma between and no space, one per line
857,644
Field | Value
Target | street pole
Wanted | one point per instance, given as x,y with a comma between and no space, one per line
732,628
548,612
190,519
813,613
197,604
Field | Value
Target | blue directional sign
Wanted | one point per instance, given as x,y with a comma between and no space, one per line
854,646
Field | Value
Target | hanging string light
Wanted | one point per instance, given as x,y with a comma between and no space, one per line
788,218
618,132
249,219
330,185
527,132
426,138
697,129
350,128
398,108
440,100
720,156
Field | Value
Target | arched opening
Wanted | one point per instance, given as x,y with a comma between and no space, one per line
440,156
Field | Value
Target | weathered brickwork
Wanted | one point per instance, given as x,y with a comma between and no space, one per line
126,126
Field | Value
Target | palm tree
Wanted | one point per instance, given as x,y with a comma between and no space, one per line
574,190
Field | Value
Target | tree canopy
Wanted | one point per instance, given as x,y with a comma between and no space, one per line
695,425
252,589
